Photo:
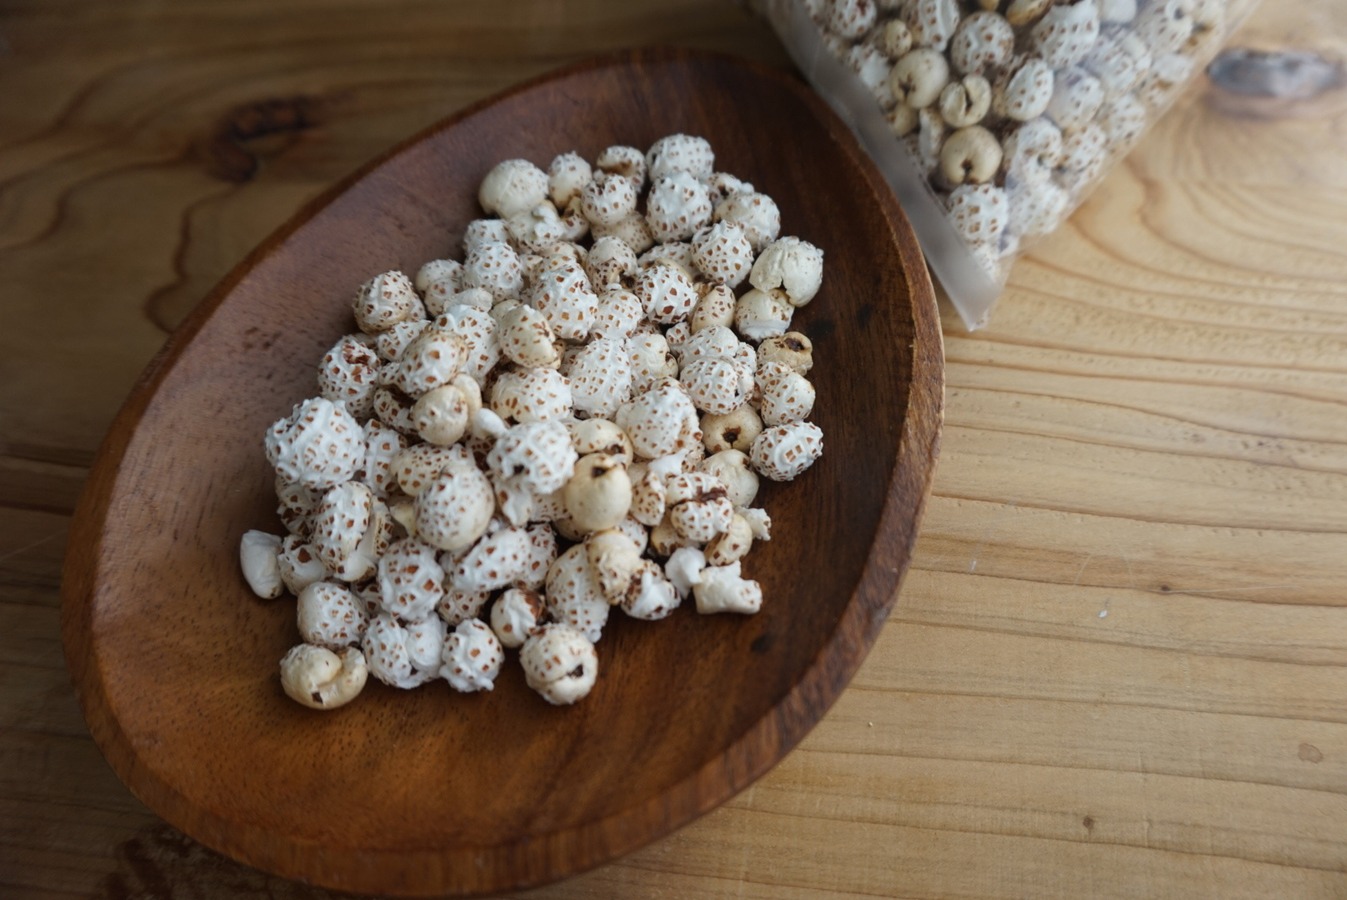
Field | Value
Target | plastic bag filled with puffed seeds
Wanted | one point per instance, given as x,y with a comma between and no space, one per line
993,119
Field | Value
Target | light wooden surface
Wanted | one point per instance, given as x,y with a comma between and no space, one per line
1117,666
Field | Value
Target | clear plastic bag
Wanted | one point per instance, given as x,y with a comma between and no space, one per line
992,121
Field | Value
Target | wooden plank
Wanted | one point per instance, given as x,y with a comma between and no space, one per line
1116,668
895,724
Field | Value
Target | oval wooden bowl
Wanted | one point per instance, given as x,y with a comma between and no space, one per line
431,792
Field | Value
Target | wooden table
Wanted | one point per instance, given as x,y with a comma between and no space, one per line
1117,664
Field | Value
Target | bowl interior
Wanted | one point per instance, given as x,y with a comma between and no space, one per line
403,791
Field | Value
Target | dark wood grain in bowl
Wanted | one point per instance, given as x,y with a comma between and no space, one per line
429,791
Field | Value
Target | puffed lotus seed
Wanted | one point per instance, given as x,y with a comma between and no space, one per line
626,386
1093,68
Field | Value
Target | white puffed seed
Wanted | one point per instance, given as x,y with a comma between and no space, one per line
1024,89
724,589
782,453
598,494
684,568
735,430
472,657
299,564
411,580
618,314
413,467
382,445
1032,151
979,212
850,19
606,201
320,679
498,559
1165,25
531,395
1119,62
794,265
761,314
1076,97
793,349
654,418
459,606
526,338
758,521
733,469
609,261
259,554
394,443
495,267
983,41
713,385
600,377
340,523
666,292
731,546
397,653
699,507
566,177
677,206
650,595
680,153
757,214
385,300
560,663
349,374
318,445
1164,79
632,231
390,344
455,508
329,615
516,613
1123,120
872,70
723,184
1084,153
716,307
482,231
1036,208
933,22
563,294
628,162
441,415
648,499
1066,32
651,359
917,79
573,594
600,436
295,504
476,328
512,187
723,254
678,254
893,38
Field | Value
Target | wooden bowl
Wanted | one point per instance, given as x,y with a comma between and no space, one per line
428,791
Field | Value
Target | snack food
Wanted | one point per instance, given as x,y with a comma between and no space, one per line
993,119
511,442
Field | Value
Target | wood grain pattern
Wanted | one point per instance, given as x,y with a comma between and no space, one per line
1152,428
174,661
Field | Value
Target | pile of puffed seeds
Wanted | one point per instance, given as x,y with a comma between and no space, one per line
1013,109
509,445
